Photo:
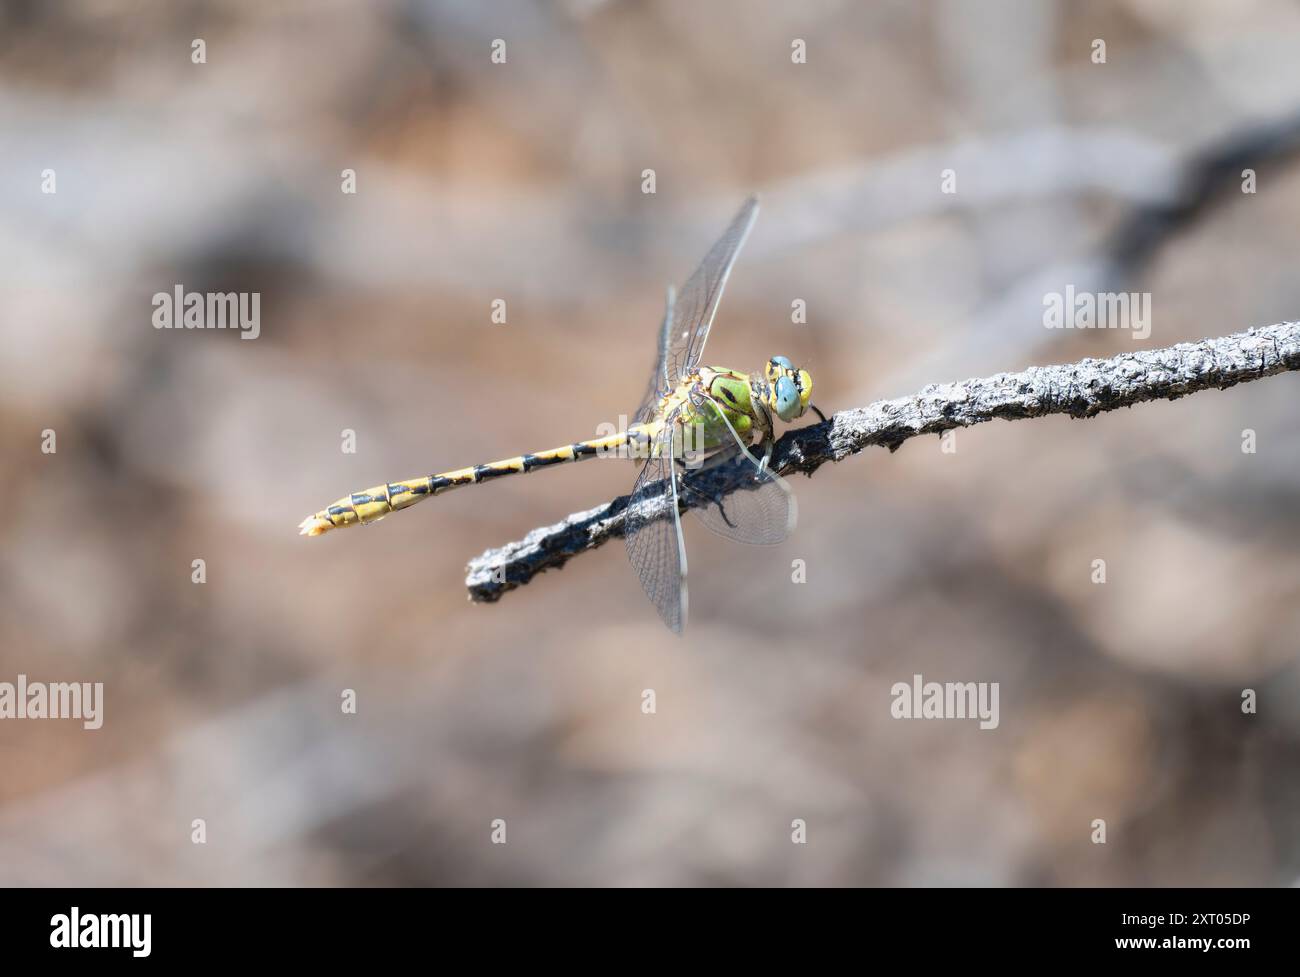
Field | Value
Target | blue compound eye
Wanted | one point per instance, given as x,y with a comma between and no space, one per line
787,398
782,361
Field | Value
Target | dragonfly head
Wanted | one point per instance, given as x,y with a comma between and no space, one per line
788,390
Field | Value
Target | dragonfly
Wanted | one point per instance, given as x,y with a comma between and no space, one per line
692,417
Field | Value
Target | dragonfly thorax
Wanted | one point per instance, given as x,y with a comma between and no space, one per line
729,389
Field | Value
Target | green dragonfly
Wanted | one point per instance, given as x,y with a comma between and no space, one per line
692,416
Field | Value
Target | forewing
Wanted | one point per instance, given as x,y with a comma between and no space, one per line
660,384
762,511
697,302
653,533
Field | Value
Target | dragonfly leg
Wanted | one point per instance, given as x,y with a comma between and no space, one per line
768,445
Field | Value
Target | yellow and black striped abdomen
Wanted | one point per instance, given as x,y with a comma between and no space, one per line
373,504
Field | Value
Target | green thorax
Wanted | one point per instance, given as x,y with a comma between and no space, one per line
730,390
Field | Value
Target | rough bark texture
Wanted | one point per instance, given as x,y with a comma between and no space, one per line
1081,389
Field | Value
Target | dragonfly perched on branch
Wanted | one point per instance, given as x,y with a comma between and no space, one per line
692,416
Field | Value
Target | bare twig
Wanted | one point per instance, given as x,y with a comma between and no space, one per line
1081,389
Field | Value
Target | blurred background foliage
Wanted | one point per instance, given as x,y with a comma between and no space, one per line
522,181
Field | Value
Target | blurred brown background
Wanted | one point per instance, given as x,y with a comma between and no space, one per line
522,181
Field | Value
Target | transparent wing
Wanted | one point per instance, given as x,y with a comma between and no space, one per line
697,302
654,534
659,381
761,512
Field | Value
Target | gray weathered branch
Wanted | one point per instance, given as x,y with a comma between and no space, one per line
1081,389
